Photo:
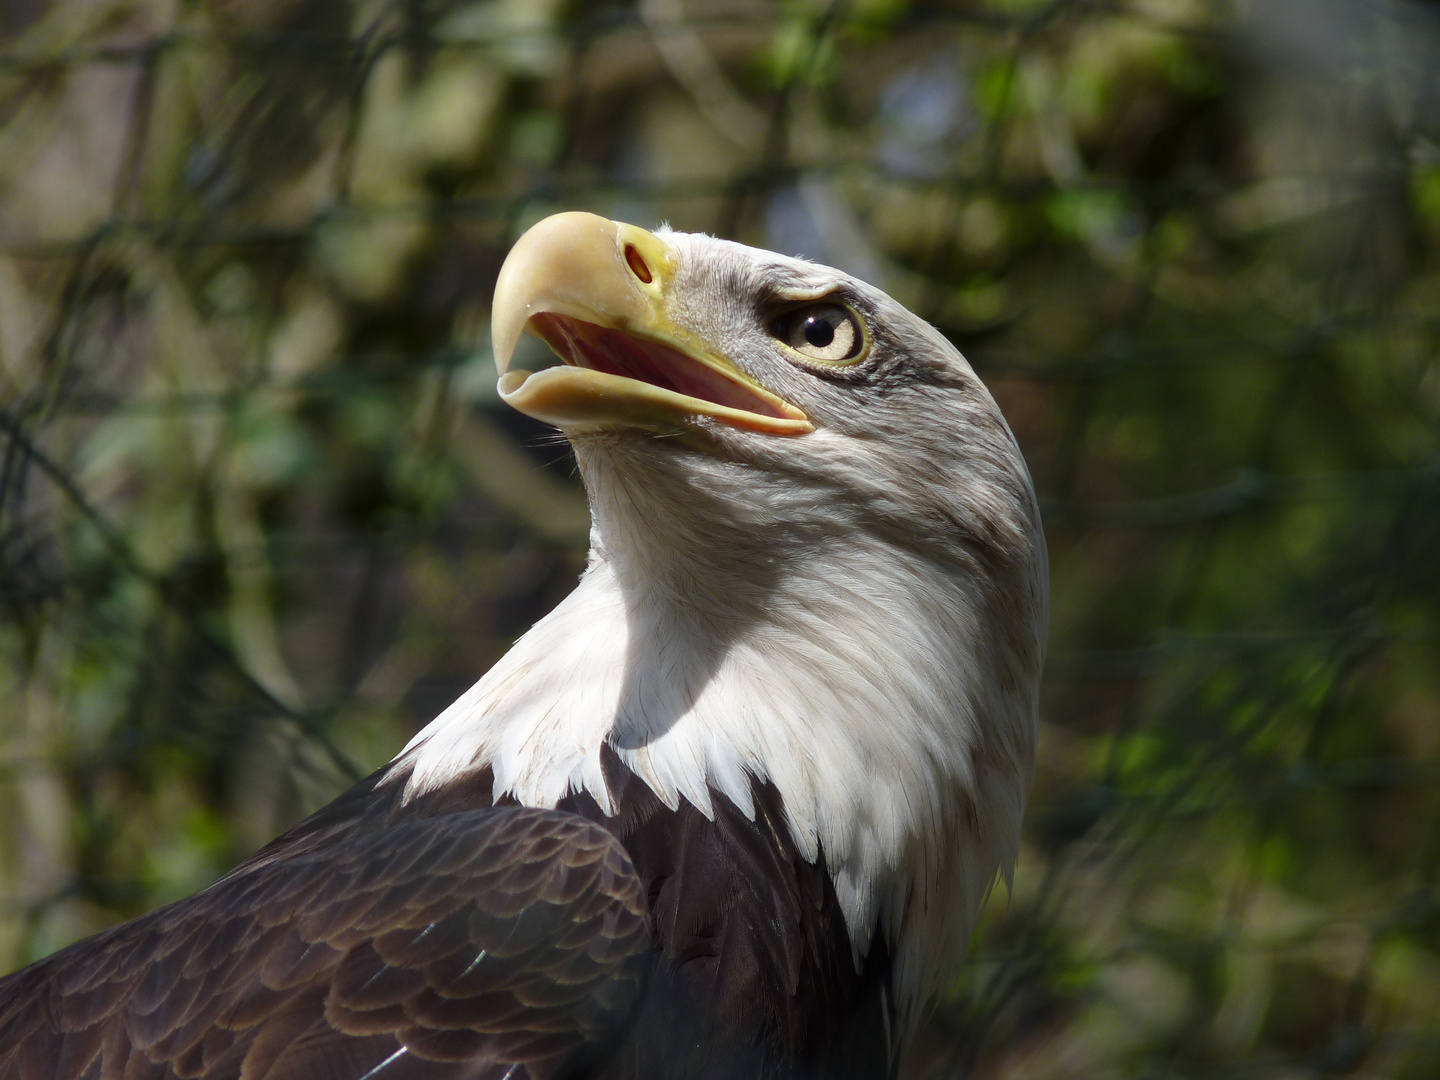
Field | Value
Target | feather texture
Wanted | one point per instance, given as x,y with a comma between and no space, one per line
461,944
446,937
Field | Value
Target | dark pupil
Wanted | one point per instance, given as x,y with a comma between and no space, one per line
818,331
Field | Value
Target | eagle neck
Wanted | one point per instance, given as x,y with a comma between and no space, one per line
724,644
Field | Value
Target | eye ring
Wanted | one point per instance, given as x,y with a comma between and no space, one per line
824,331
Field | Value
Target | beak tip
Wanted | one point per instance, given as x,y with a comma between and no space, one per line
503,337
555,261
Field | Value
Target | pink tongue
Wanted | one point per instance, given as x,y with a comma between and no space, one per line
617,353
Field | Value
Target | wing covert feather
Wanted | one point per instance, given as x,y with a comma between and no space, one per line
461,945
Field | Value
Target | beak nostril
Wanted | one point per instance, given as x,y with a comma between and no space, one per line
637,264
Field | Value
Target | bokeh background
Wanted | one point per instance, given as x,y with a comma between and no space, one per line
262,515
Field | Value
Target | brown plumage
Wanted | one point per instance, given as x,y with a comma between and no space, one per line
485,937
488,941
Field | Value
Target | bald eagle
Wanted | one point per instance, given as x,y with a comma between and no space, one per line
731,809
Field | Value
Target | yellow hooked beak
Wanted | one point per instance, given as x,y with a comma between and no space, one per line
598,293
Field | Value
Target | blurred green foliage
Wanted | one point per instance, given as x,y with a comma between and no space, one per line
262,515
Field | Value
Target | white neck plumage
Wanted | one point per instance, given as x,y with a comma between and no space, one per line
710,642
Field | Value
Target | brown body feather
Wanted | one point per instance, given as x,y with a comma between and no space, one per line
449,937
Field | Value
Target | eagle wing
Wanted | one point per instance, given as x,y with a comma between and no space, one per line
504,941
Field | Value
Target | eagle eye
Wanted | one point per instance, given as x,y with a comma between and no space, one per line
822,331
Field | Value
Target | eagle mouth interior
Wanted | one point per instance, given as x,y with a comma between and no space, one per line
614,352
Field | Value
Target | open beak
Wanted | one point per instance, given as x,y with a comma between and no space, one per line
598,293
